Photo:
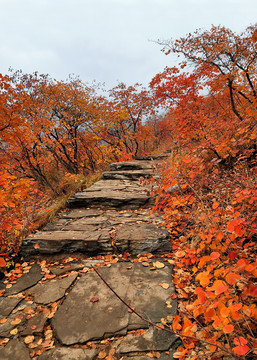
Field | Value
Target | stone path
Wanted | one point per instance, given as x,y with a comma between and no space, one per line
58,307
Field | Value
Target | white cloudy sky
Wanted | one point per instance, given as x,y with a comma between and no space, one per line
106,40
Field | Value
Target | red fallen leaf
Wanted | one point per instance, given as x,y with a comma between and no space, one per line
240,341
173,296
125,255
241,350
2,262
251,290
219,287
228,329
36,246
215,205
94,299
232,255
214,255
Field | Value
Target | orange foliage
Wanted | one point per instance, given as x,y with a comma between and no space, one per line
208,193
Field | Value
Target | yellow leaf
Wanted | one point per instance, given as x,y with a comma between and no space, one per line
158,265
14,331
164,285
102,354
29,339
16,322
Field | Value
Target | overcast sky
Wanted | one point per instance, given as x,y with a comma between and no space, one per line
106,40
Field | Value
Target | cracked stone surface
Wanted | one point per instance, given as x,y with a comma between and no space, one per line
136,284
26,281
15,349
51,291
6,307
134,232
68,354
151,340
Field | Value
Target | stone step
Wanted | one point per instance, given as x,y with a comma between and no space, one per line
109,199
127,175
106,232
132,165
152,157
123,194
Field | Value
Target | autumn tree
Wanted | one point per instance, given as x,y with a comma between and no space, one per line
208,190
136,104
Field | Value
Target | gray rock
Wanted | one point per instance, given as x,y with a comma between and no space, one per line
64,353
62,269
82,322
151,340
109,199
131,165
84,224
61,241
80,213
26,281
127,175
7,305
137,285
142,238
15,350
7,326
35,324
51,291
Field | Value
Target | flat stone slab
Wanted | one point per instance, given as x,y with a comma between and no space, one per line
109,199
127,175
7,305
51,242
112,194
26,281
6,327
141,238
80,213
136,284
15,350
151,340
135,232
35,324
63,353
51,291
132,165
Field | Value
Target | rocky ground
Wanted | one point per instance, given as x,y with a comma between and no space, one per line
100,285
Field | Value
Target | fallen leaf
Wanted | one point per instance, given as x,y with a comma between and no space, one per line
14,331
3,321
36,246
51,315
2,262
16,322
144,263
4,341
29,339
158,265
102,354
168,304
228,329
164,285
94,299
